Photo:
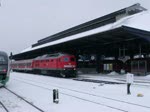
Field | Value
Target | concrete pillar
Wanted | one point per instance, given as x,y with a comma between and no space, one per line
98,60
77,58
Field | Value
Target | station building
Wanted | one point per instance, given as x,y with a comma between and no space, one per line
119,41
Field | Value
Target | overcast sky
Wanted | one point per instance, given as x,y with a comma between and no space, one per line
23,22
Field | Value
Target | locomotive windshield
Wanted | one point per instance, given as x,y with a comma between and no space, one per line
66,59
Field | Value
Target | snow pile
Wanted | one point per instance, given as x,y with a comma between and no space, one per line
113,73
148,76
129,74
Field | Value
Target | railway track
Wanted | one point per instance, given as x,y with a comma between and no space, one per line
121,110
20,97
87,93
4,107
36,83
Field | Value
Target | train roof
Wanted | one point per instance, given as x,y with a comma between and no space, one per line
56,55
3,53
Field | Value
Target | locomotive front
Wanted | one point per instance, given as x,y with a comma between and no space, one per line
4,68
68,63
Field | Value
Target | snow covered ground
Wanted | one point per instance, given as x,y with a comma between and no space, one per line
115,77
74,96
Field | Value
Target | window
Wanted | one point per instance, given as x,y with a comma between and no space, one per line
66,59
2,59
47,60
28,64
108,67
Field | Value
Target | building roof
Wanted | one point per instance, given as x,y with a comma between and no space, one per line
101,21
118,26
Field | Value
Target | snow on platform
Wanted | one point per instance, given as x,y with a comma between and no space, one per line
115,77
75,96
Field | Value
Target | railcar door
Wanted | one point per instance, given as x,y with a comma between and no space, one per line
139,67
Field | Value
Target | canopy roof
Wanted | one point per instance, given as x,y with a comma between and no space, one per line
128,25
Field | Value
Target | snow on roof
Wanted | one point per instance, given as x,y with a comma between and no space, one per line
27,49
73,37
139,21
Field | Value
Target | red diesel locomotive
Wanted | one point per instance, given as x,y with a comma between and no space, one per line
58,64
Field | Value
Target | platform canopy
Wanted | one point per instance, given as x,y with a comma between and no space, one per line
127,28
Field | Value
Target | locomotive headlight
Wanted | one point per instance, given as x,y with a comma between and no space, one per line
68,66
4,70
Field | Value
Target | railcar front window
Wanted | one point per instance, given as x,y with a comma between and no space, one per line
2,60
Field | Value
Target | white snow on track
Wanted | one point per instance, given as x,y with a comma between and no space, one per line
75,96
13,103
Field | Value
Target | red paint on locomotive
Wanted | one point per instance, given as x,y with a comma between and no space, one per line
64,64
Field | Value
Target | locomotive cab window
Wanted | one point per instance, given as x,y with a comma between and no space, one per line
66,59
